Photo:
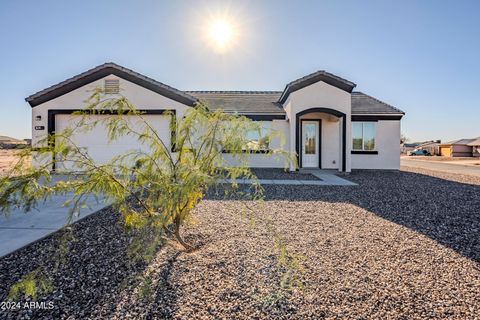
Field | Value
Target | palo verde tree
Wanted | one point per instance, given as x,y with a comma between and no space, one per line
154,187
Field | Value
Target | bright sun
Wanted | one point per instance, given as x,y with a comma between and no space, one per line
221,34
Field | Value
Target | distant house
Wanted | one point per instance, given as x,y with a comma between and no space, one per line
9,142
457,148
406,147
431,146
475,144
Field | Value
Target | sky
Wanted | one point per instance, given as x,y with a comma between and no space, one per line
420,56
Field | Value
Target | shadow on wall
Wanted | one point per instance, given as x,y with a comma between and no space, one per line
443,210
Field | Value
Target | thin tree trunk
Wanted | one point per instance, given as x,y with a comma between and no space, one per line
179,238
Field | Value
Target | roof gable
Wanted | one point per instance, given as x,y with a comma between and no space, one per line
312,78
102,71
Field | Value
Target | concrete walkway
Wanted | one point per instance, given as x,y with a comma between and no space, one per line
19,228
327,178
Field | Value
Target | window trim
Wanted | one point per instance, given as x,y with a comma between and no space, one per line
363,151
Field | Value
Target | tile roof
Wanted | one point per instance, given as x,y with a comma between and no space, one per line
466,142
474,142
241,101
365,104
266,102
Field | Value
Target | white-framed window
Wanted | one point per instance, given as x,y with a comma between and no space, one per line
258,139
363,135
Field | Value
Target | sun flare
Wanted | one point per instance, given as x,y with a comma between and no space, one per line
221,34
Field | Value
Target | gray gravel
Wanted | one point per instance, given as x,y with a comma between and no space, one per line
401,245
280,174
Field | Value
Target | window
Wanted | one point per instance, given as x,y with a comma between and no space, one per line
363,135
258,139
310,136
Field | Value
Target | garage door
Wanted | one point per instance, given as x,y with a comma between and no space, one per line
95,142
445,151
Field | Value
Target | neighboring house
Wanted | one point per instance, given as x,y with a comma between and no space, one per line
406,147
9,142
323,121
457,148
433,147
475,144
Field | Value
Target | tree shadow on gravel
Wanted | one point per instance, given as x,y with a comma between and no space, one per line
93,275
443,210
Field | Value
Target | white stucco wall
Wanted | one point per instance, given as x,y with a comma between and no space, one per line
387,143
140,97
323,95
282,141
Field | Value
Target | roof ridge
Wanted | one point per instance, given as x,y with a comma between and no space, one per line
235,91
325,73
378,100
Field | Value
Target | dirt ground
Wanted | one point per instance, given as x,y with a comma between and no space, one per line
8,159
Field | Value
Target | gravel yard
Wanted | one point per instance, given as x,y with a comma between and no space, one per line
400,245
280,174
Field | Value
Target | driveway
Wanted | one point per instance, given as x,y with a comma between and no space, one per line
20,228
441,166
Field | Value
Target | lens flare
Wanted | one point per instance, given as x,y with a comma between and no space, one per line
221,34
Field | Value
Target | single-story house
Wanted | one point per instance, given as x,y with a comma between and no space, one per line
324,122
432,146
475,144
457,148
9,142
406,147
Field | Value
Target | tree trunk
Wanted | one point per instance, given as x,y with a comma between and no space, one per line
179,238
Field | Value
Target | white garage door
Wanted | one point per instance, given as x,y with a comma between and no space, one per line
96,143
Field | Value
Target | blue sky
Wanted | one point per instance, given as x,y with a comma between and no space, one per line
421,56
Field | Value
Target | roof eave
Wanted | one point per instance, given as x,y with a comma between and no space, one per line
318,76
102,71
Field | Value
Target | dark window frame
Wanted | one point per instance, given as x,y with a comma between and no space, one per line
363,151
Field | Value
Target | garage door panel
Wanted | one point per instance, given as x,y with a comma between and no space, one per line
96,143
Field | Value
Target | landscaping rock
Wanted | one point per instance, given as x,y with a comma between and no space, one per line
400,245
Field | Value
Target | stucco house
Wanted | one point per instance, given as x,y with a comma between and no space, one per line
475,144
324,122
457,148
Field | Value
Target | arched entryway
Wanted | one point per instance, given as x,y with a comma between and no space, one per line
301,135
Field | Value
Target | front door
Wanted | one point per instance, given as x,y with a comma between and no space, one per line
310,144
